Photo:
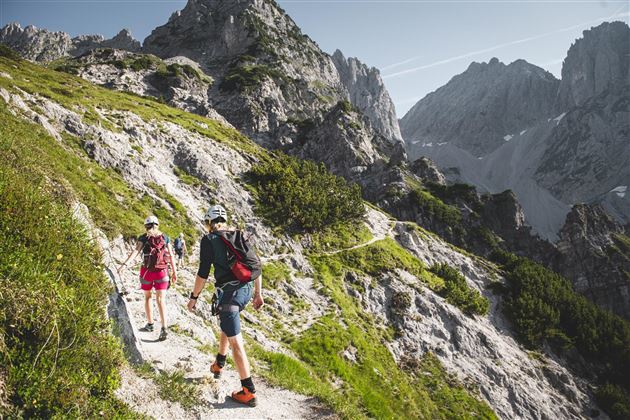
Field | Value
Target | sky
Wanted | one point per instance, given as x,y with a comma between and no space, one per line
418,45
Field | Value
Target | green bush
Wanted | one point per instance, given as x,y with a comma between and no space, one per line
614,400
458,293
60,357
247,77
544,306
9,53
436,208
299,194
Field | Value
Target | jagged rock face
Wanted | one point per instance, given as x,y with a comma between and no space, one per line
36,44
123,41
368,94
177,81
588,153
42,45
269,75
478,108
596,257
345,141
597,62
427,170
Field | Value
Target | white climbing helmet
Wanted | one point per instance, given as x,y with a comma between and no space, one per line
215,212
151,220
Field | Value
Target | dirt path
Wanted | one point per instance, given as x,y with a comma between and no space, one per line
190,348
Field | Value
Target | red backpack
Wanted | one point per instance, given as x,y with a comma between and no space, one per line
155,252
242,259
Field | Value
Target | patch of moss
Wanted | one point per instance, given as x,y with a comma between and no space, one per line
274,272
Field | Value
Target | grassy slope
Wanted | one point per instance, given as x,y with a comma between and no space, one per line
377,386
55,344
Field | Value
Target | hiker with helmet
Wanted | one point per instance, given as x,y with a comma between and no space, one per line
156,249
237,273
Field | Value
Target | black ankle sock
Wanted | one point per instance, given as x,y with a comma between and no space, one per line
221,359
249,384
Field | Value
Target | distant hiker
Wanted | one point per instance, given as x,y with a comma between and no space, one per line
156,249
237,274
180,249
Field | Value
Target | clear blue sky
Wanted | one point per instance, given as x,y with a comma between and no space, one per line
418,44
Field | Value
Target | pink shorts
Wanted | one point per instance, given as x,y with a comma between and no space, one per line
157,280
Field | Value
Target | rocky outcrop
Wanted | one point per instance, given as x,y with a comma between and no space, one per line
269,75
427,170
177,81
477,109
596,257
368,94
346,142
597,62
122,41
37,44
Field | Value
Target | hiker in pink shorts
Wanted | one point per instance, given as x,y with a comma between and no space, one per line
157,253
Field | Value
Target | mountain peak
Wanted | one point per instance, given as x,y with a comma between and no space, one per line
596,62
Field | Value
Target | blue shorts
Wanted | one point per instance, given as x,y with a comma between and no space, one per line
230,319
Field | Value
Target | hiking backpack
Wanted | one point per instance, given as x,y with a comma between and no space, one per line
178,244
241,256
155,252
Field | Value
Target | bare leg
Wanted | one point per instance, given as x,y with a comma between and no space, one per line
223,344
147,306
160,296
239,355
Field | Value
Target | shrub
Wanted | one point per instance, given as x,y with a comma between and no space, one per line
435,208
544,306
614,400
246,78
9,53
299,194
458,293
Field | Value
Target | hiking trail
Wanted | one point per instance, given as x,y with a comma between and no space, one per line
191,348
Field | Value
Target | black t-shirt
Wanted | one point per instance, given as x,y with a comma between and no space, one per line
214,252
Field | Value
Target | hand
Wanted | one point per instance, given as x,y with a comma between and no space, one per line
173,278
191,304
258,301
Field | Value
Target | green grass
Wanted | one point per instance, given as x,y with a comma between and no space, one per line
56,347
458,293
115,207
436,208
275,272
186,178
173,386
340,237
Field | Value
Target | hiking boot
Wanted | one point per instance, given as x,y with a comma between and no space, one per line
163,334
244,397
216,370
147,328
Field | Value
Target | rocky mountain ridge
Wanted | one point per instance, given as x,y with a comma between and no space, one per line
42,45
571,150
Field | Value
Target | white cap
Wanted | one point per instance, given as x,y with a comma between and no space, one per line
151,220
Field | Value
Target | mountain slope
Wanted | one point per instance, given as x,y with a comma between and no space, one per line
330,338
478,108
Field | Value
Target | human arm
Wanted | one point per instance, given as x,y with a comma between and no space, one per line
131,255
205,262
200,282
172,265
258,301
